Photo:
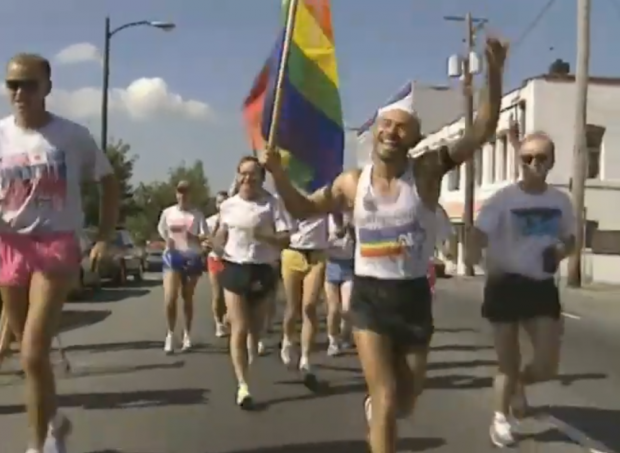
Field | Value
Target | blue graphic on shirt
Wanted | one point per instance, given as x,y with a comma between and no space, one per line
537,222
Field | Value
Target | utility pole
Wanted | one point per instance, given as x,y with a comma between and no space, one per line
472,26
580,161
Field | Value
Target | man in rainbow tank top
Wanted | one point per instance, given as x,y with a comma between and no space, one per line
393,200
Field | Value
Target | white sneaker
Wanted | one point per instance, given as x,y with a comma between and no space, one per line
187,343
286,353
57,435
262,349
368,408
333,349
501,431
220,330
169,343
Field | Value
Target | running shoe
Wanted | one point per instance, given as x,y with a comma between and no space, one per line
57,435
501,431
187,343
169,343
244,399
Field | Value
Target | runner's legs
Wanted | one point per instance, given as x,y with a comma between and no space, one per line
172,285
35,279
218,305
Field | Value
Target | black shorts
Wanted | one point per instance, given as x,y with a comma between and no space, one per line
511,298
398,309
252,281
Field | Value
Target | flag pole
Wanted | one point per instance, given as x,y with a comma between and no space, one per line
277,101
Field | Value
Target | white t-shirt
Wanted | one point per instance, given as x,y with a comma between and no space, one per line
520,226
340,248
41,172
241,218
175,224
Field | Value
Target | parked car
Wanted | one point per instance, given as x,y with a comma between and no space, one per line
87,277
153,261
122,259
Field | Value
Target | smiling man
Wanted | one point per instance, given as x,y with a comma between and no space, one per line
43,160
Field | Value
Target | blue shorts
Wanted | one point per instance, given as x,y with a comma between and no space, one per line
187,263
339,271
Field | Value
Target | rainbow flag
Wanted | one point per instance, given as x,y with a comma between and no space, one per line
310,133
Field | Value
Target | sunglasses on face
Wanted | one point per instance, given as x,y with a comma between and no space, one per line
529,158
23,84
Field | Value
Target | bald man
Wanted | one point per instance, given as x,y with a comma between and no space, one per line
394,200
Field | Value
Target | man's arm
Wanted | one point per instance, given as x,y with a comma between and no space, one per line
485,123
325,200
96,166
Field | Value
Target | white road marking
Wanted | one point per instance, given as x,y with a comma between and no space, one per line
570,315
577,436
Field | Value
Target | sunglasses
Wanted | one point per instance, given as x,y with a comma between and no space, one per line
27,85
529,158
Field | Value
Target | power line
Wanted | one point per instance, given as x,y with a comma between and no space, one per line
532,25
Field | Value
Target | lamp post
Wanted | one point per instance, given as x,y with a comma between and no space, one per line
109,33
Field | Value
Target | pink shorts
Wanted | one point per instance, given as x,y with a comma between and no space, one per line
21,255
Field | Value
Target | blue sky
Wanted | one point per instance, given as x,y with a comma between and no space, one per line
219,46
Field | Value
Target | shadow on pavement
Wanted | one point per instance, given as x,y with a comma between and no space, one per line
123,400
436,366
349,446
445,382
464,382
456,330
105,370
140,345
106,295
461,348
74,319
600,425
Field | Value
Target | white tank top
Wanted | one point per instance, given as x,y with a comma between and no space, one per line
394,237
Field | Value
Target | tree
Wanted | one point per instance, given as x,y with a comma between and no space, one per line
122,163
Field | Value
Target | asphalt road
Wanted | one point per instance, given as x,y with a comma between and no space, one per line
125,396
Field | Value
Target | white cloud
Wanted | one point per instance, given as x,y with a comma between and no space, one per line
83,52
143,99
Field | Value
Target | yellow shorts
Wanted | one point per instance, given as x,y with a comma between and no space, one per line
302,261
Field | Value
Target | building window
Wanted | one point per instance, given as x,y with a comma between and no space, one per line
479,166
594,144
503,161
454,179
492,149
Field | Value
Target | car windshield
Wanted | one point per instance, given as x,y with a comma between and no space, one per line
122,239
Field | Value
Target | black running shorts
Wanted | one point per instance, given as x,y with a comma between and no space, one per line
398,309
252,281
512,298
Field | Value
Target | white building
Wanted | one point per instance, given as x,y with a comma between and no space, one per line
435,106
547,103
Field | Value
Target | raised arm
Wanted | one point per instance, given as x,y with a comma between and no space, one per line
485,123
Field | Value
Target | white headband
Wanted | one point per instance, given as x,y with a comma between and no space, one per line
404,105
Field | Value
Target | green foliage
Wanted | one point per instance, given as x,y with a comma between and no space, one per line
142,206
123,163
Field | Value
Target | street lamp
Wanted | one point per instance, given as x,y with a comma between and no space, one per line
109,33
